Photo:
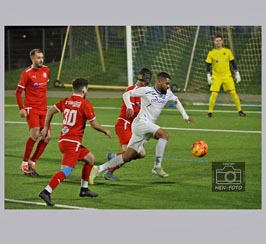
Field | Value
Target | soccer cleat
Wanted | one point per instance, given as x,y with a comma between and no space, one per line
109,176
93,175
45,196
109,156
241,113
209,115
32,169
29,169
25,168
160,172
85,192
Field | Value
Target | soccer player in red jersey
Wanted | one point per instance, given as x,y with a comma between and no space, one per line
33,81
123,122
76,111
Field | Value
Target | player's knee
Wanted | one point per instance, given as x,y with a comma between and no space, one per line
165,136
142,155
214,94
232,93
89,158
35,133
67,171
161,134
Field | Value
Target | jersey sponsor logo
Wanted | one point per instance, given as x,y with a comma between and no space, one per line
36,84
158,100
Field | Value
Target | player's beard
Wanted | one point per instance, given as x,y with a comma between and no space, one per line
164,91
38,65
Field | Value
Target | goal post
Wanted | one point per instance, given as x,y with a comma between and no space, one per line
191,57
129,56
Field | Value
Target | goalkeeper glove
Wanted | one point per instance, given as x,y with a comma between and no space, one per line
209,79
237,77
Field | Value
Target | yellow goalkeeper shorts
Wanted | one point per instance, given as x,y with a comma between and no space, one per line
228,84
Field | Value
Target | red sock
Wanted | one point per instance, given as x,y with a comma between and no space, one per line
86,171
112,170
39,150
28,149
57,179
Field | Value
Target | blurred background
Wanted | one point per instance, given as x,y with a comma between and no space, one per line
110,56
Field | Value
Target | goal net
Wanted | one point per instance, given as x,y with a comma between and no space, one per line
182,50
179,50
95,53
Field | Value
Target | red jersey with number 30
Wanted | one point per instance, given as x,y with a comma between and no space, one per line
76,111
34,82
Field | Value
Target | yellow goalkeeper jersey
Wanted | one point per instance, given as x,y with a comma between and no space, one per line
220,61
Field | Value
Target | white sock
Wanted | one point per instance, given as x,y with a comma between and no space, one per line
31,162
24,163
84,183
160,147
48,188
117,160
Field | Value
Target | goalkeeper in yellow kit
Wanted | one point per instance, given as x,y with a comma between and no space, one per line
218,73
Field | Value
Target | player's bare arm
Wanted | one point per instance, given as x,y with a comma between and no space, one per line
49,116
96,125
126,98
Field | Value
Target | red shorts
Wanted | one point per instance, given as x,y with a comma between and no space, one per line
72,152
123,131
35,118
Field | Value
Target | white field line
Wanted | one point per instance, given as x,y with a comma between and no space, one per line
166,109
167,128
44,204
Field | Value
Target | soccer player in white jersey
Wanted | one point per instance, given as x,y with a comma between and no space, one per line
153,100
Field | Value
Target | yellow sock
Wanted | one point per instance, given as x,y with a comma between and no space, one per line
236,100
212,101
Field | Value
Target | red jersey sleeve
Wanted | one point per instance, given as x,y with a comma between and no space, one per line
23,80
59,106
89,111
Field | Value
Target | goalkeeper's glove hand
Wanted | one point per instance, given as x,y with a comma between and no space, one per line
237,77
209,79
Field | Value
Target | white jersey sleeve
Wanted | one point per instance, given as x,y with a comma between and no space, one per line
178,104
138,92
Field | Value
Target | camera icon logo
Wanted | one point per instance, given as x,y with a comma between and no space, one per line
228,176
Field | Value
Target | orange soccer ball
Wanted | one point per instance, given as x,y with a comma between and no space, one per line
199,148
